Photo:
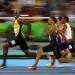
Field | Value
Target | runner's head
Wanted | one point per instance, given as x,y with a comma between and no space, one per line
65,19
60,18
52,20
16,14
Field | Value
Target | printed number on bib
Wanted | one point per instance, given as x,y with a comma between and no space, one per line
13,42
56,39
70,47
49,38
15,31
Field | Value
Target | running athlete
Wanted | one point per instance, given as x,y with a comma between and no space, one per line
19,38
69,43
53,46
68,33
61,39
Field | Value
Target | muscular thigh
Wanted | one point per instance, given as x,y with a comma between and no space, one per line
56,50
23,44
47,48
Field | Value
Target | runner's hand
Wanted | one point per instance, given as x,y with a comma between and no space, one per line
47,32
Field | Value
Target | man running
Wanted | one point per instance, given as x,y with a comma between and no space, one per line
53,46
19,38
61,39
69,43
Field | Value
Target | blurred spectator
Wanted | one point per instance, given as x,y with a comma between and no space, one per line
15,5
71,11
30,11
26,2
70,0
3,13
38,16
72,7
2,5
56,12
45,8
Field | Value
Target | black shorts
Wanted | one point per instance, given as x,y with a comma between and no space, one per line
63,45
70,46
55,49
19,41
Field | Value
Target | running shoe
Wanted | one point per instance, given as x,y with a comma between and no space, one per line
30,68
49,65
69,56
2,67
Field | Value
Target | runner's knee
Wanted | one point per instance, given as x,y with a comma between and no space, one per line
6,46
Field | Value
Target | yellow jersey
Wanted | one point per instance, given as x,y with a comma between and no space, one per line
17,28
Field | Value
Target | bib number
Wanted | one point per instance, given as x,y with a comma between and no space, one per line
13,42
49,38
15,31
56,39
70,47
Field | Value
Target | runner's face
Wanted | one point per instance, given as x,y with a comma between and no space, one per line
16,14
50,21
63,20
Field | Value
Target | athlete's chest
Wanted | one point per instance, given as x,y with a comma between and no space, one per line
16,24
53,36
16,27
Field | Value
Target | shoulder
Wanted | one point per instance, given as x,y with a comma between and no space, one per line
20,18
64,25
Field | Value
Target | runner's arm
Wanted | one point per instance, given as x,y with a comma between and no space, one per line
59,31
25,22
29,26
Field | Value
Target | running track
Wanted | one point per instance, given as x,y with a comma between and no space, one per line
40,71
17,67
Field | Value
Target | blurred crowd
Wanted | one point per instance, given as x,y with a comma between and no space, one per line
39,8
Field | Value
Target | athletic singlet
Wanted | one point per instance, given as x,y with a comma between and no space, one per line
68,32
17,28
53,39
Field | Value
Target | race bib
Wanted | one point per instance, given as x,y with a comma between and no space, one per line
49,38
56,39
70,47
13,42
15,31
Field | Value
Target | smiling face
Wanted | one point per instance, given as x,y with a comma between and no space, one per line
16,14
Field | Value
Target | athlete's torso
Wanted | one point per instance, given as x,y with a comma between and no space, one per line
53,38
17,28
68,32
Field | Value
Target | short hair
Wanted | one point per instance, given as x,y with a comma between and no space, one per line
54,19
60,18
16,11
66,18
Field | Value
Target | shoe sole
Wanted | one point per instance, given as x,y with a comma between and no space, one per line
3,67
